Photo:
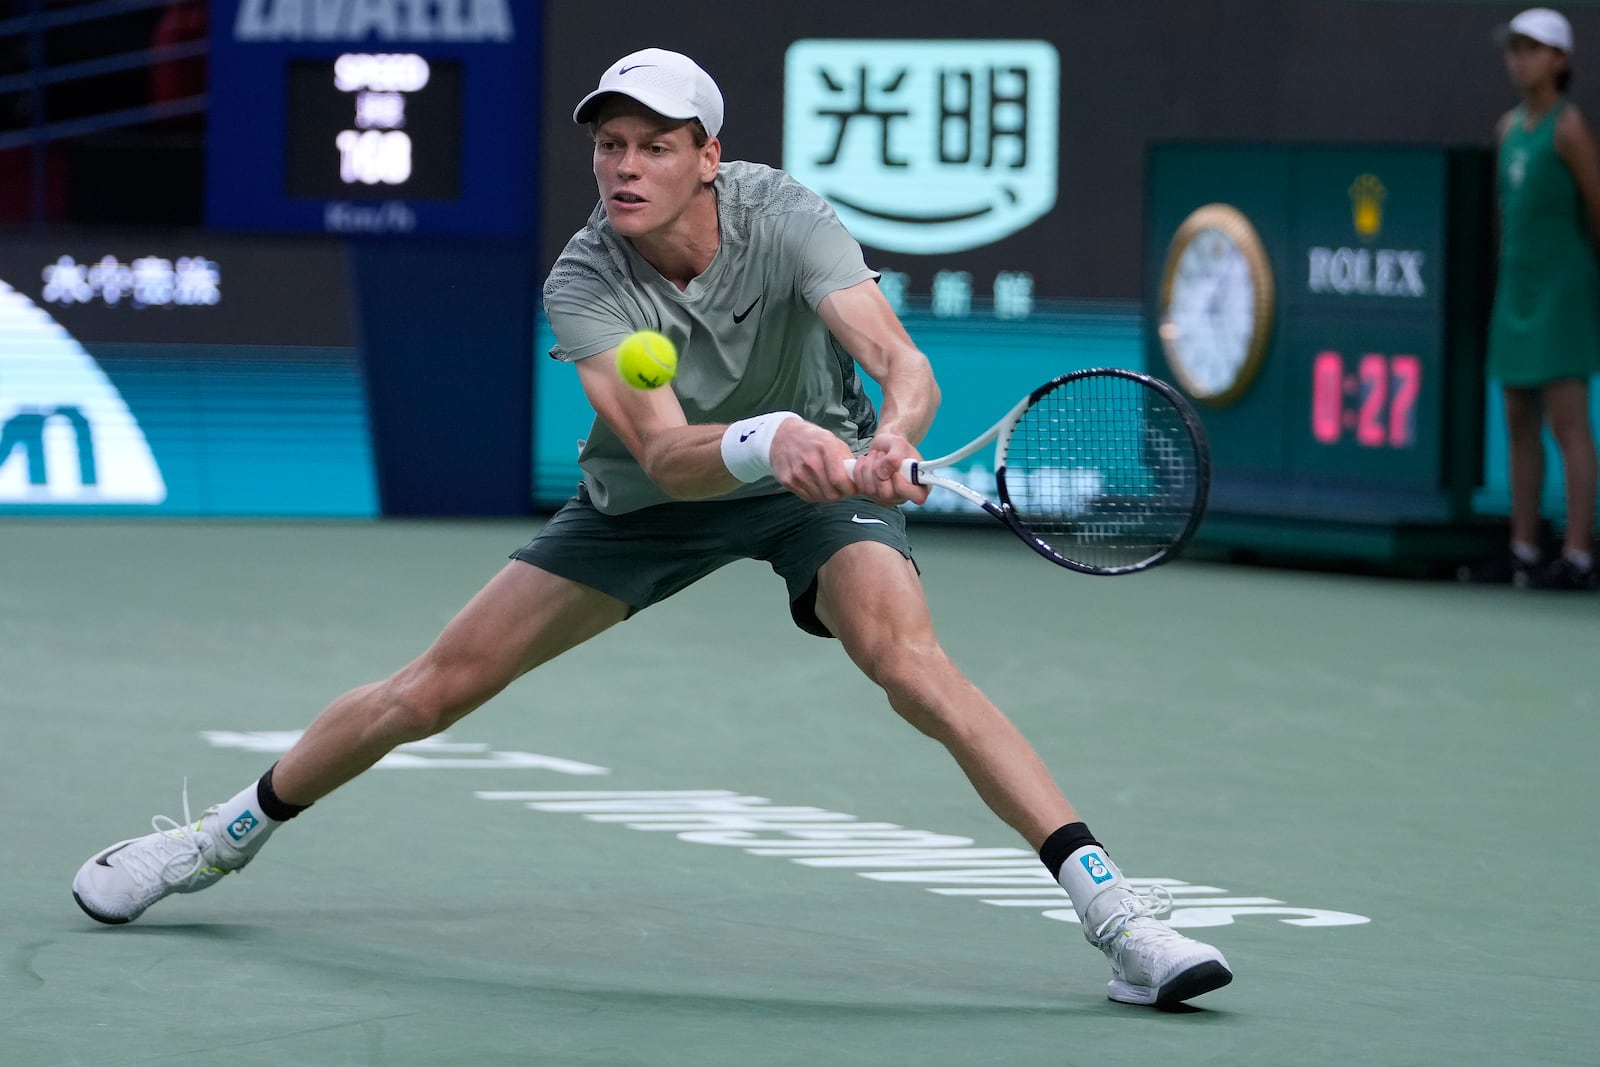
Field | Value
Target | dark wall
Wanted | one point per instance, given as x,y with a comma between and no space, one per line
446,325
1132,72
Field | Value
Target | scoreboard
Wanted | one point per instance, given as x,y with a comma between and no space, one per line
1325,306
385,117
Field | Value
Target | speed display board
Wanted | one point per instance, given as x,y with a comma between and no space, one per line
373,126
381,117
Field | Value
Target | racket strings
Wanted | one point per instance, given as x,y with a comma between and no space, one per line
1104,470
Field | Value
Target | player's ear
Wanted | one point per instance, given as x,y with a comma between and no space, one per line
710,159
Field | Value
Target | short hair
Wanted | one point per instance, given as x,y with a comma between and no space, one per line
697,129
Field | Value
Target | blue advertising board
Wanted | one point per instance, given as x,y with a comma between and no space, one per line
181,374
373,116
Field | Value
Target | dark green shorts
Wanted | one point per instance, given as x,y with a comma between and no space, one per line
645,556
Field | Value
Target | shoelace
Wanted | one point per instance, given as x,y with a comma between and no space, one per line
184,858
1148,903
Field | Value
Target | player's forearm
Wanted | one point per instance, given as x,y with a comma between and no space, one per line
910,397
686,462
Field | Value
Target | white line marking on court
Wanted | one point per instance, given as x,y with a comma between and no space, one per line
945,864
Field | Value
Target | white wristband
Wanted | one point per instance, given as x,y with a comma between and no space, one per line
747,445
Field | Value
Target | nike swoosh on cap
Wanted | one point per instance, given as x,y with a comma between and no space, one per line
623,70
867,522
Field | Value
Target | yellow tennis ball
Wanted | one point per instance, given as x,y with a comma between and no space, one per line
647,360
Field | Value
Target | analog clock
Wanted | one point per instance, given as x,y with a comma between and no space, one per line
1216,304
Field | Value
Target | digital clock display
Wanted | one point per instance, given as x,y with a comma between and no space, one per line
1371,400
374,126
1365,400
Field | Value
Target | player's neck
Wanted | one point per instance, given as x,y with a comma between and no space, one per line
682,250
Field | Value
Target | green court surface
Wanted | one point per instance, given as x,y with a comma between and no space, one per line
1378,793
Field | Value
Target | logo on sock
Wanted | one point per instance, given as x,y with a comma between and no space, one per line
1096,866
242,825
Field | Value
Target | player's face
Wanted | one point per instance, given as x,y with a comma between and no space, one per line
1531,64
648,169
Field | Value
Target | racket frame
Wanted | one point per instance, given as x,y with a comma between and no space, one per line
919,472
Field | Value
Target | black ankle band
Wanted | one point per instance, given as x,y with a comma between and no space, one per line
1057,847
271,806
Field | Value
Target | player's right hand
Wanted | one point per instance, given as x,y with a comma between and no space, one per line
877,473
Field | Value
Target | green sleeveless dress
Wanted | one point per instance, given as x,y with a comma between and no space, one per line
1546,320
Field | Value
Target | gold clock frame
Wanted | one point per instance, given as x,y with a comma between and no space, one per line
1235,226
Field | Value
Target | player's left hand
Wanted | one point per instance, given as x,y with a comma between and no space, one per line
810,462
877,473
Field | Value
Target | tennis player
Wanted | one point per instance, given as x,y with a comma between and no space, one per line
744,457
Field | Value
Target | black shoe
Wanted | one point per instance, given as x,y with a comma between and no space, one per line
1505,569
1562,573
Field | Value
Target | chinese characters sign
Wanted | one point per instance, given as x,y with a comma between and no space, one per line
925,147
148,281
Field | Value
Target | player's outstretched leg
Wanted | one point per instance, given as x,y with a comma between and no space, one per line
882,621
522,618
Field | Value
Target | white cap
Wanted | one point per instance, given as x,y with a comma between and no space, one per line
668,83
1543,25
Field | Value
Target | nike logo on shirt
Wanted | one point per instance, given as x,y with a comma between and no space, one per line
867,522
740,316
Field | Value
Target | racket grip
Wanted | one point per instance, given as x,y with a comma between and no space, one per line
908,470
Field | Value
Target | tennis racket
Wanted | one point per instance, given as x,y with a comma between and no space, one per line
1101,471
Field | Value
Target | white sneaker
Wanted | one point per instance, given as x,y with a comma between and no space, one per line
118,883
1151,963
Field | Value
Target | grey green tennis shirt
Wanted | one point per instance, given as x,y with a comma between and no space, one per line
748,334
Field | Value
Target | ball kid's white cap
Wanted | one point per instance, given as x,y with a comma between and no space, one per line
1540,24
668,83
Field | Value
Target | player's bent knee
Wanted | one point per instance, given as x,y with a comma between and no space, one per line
407,715
898,680
418,703
900,667
920,688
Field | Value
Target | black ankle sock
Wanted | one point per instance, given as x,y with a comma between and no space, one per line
271,806
1056,848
